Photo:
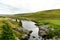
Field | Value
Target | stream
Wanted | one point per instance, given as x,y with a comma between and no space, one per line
30,26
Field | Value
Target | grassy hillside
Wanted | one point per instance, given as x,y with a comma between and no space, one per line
48,14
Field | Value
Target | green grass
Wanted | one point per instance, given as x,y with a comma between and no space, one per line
57,22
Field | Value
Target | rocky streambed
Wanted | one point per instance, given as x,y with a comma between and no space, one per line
36,33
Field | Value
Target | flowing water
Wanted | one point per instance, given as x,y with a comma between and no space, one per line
29,25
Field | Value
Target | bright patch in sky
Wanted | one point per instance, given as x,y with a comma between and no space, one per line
21,6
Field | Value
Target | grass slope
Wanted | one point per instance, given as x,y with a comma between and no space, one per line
6,29
48,14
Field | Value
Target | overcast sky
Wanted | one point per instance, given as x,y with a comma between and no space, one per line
21,6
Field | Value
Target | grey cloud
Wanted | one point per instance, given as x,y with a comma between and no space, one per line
12,9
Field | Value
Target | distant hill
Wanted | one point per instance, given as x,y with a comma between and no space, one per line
48,14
